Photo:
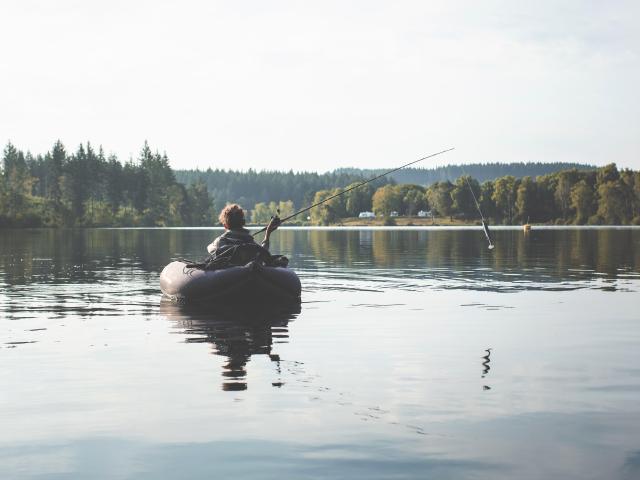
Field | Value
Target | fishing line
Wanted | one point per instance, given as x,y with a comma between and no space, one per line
485,227
354,187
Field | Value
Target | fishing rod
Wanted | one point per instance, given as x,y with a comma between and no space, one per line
485,227
354,187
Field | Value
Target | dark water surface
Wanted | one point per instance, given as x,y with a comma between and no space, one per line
416,353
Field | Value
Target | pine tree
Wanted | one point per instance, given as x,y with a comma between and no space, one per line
55,171
18,183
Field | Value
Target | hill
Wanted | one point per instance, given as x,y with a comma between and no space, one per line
480,171
251,187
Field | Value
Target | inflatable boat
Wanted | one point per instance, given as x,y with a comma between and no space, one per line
253,282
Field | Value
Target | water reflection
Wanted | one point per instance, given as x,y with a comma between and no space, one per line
409,259
545,259
631,467
486,367
485,364
562,374
234,333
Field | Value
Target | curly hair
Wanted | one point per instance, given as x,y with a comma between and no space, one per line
232,216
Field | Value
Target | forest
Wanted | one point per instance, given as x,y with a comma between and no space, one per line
87,188
252,187
601,196
479,171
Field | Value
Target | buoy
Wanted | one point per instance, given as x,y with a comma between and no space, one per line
526,228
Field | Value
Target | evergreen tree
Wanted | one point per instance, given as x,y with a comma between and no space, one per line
135,186
75,184
114,185
179,207
201,205
159,180
87,189
17,184
55,169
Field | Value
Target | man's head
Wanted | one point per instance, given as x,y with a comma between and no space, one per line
232,217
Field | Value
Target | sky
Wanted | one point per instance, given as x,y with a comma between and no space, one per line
317,85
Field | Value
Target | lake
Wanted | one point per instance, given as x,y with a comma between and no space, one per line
416,353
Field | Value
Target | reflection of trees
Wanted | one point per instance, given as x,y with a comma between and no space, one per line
336,247
95,255
79,255
284,242
541,256
234,334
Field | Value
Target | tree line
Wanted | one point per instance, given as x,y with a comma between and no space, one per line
480,171
252,187
599,196
89,188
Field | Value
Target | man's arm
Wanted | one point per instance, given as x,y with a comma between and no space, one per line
273,225
213,246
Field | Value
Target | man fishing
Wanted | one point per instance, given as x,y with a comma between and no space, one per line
232,219
212,278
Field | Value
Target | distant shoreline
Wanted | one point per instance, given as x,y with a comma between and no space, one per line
406,222
348,223
86,188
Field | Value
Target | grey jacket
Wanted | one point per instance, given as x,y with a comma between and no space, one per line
231,238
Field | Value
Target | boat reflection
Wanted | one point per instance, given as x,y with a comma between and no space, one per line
236,334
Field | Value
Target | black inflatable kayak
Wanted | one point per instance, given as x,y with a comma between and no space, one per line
252,282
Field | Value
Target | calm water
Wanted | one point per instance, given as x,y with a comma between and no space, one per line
384,371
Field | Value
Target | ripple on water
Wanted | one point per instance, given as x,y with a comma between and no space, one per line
358,380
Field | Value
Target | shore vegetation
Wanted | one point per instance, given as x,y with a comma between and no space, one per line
87,188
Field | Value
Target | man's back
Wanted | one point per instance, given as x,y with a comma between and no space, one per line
230,238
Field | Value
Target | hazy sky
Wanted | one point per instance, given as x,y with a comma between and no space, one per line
317,85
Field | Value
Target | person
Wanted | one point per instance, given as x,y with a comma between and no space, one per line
232,219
